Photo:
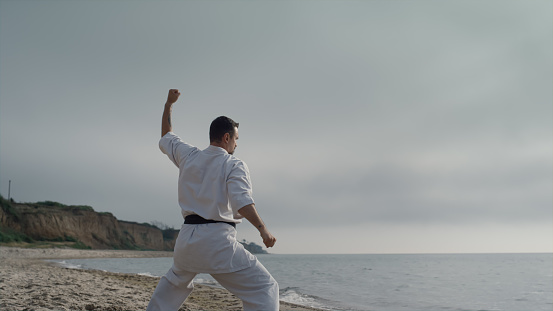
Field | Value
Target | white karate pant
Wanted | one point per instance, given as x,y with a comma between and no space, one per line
254,286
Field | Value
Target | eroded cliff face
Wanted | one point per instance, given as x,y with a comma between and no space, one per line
148,237
96,230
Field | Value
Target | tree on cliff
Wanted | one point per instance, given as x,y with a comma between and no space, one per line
160,225
253,248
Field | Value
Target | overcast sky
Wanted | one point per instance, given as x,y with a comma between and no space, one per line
368,126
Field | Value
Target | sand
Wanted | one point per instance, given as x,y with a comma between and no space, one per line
29,282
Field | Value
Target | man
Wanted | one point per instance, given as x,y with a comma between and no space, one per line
214,192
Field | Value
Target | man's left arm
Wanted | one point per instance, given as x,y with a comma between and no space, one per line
250,213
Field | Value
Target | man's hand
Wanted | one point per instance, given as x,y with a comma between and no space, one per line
268,239
173,96
250,213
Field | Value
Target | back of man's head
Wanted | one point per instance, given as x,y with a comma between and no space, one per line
219,127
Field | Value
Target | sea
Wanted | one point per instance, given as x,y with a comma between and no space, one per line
388,282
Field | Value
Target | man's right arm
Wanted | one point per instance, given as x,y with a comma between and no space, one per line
166,125
172,145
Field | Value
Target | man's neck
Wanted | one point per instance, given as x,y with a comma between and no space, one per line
218,144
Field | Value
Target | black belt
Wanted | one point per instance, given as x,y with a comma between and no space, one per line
198,220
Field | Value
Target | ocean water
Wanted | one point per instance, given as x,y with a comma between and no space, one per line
389,282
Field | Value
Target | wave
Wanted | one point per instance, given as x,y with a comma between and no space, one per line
148,274
206,280
66,264
295,296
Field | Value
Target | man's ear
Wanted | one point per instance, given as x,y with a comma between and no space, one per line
226,137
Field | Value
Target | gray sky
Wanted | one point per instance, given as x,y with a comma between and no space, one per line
368,126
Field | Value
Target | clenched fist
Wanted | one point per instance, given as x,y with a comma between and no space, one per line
173,96
268,239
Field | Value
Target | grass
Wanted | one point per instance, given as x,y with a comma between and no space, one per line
8,235
47,244
65,207
80,245
8,208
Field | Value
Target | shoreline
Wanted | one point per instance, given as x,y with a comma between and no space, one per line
29,281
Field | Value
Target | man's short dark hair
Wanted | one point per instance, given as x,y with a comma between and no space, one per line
220,126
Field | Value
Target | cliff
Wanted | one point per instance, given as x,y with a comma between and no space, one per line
82,227
51,221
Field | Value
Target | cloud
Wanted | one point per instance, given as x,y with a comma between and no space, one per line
470,184
352,113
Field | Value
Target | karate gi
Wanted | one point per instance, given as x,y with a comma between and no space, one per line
214,185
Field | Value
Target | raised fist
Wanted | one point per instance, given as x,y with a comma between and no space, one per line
173,96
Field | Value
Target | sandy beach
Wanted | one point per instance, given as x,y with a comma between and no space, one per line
29,282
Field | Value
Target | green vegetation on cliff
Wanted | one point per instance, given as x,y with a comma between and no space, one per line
8,235
8,208
63,206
